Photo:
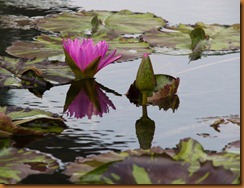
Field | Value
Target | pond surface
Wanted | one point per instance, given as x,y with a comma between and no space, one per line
209,88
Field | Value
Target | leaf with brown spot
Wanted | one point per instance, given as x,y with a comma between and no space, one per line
20,121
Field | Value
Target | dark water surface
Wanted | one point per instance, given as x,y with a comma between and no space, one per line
209,87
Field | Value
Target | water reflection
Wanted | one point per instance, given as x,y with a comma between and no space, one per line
86,98
145,127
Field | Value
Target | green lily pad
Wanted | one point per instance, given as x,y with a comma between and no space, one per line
42,47
109,27
17,164
122,22
127,22
218,37
66,23
189,163
47,47
26,121
19,73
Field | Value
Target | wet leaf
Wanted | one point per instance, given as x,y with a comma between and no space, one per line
108,26
66,23
26,121
51,47
32,78
127,22
166,86
42,47
166,103
123,22
53,73
220,38
17,164
189,163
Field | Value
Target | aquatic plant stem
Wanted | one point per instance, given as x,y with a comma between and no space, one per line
144,104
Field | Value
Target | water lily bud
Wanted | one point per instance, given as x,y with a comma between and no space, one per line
145,79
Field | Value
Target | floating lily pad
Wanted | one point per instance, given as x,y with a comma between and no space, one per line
219,37
17,164
45,47
122,22
14,74
110,26
42,47
189,163
26,121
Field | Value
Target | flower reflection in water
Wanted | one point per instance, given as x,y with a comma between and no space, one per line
85,98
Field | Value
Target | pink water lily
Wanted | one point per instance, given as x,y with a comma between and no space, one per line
86,59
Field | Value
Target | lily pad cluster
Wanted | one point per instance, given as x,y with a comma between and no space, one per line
188,163
132,34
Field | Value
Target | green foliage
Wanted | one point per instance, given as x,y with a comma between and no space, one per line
26,121
16,164
189,163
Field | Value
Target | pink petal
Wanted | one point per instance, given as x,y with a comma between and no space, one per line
109,59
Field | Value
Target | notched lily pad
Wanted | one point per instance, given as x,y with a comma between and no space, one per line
26,121
17,164
189,163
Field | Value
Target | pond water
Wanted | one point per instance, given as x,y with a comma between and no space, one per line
209,87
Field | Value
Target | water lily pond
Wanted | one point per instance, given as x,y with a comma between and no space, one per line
57,129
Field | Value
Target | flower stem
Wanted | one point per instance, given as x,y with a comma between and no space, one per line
144,104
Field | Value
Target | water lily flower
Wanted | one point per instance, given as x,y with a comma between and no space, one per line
85,98
86,59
